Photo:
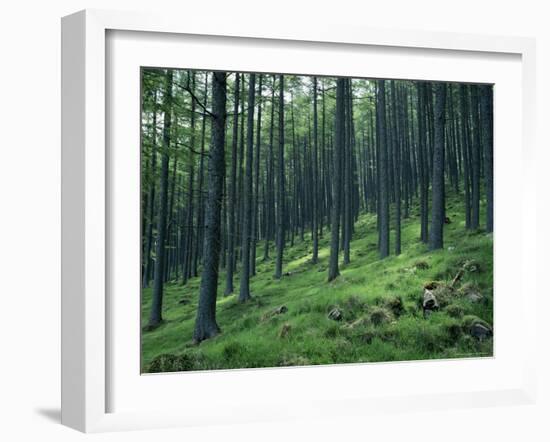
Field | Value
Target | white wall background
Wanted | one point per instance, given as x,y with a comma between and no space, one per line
30,215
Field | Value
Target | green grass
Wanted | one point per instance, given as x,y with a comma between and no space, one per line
380,301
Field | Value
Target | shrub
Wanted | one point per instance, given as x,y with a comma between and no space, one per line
470,320
285,330
454,311
170,363
427,339
354,303
421,265
332,331
453,331
380,315
232,350
395,304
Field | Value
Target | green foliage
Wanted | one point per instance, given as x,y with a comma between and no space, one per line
380,316
380,301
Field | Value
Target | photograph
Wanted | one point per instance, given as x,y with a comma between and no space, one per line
300,220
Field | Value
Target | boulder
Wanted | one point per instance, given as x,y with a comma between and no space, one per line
335,314
280,310
276,311
474,297
429,303
480,331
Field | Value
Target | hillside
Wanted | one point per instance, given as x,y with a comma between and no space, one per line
380,301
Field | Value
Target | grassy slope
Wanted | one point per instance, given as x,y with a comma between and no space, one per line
249,339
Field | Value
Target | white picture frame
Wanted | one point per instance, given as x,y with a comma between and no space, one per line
85,202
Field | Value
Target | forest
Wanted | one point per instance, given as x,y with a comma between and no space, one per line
300,220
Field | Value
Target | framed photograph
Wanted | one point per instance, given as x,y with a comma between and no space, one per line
269,223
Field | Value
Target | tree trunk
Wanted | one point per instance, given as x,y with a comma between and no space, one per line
232,193
151,203
270,177
315,254
244,293
200,214
384,216
188,261
438,180
397,163
333,271
281,184
205,324
256,192
347,178
487,132
465,152
422,163
474,98
155,317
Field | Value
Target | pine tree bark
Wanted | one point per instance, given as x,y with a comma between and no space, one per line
487,132
270,177
205,324
474,98
200,208
256,191
422,162
232,193
151,202
384,215
466,153
347,178
438,169
338,150
281,184
155,317
315,253
244,293
189,244
397,163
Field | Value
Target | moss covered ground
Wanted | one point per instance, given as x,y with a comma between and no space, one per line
380,302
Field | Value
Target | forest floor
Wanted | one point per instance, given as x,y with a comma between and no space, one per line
380,302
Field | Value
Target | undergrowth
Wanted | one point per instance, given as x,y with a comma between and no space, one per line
380,302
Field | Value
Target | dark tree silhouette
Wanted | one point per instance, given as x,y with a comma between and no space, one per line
422,161
384,209
466,153
156,309
256,192
333,270
244,293
486,93
281,183
476,153
438,169
151,201
315,199
205,324
232,192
